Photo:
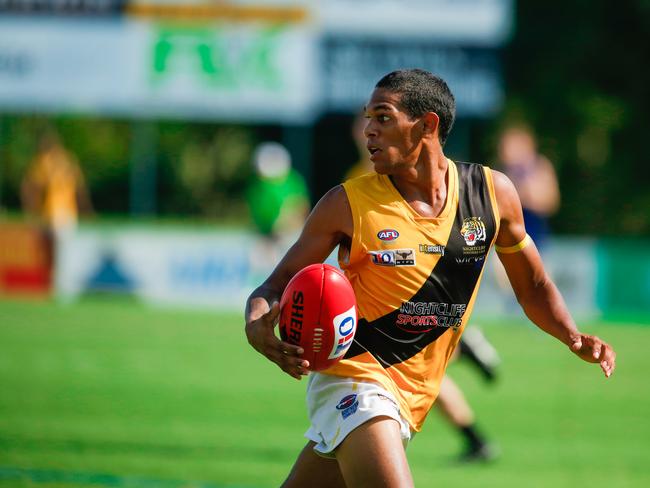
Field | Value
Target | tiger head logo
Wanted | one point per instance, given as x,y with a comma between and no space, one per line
473,230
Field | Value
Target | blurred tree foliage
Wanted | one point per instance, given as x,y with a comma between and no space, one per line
578,71
202,168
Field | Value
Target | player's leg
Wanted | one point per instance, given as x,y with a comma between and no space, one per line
314,471
452,404
373,456
359,423
477,349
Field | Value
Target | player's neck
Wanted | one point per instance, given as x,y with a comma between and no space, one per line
424,185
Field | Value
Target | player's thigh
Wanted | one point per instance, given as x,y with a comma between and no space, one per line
314,471
373,455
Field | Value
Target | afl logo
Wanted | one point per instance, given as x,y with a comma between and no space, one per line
388,234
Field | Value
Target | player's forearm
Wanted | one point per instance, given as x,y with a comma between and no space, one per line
545,307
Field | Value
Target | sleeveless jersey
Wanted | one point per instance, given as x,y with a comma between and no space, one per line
415,280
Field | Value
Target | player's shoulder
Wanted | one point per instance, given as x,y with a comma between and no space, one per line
506,195
503,186
333,208
370,183
334,196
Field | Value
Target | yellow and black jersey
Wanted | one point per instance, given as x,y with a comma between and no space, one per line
415,280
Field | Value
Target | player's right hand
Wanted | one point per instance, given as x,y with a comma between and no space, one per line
261,335
592,349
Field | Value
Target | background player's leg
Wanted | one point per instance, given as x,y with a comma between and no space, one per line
314,471
475,347
452,404
373,456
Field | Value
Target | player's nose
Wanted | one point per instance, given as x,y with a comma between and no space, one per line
370,130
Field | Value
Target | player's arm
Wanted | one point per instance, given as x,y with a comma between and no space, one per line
31,190
329,224
536,293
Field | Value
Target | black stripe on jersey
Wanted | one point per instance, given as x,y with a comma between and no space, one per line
452,281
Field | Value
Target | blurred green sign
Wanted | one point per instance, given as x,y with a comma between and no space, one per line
215,58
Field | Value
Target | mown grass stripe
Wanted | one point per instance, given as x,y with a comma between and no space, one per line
10,473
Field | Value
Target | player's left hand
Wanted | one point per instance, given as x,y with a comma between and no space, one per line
594,350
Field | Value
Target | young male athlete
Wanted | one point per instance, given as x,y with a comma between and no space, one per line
413,239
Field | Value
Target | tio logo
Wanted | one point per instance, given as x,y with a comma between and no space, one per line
383,258
344,329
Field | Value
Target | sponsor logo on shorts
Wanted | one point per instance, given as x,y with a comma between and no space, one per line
348,405
396,257
387,235
344,328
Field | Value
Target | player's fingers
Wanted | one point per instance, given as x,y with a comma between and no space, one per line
608,362
287,358
293,373
291,349
299,370
294,367
612,366
590,348
607,367
296,360
597,348
577,344
604,365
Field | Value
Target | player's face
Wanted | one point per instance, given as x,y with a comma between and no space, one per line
393,137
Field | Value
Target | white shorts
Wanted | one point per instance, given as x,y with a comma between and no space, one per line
337,405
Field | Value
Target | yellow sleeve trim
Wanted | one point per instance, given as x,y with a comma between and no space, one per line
516,248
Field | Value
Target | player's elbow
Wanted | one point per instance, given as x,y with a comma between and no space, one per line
534,292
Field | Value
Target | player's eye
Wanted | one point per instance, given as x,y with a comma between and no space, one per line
383,118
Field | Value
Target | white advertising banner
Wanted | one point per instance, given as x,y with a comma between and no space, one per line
473,22
216,269
130,67
219,269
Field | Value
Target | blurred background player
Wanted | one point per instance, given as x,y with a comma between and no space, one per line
536,182
277,196
473,347
54,189
534,178
54,192
278,201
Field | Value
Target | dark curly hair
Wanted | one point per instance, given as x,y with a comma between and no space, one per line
421,92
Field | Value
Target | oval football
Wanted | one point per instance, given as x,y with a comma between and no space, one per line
318,313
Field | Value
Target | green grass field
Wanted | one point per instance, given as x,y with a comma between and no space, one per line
112,393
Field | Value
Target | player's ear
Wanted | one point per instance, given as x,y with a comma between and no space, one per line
431,122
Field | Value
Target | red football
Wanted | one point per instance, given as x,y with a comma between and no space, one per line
318,312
